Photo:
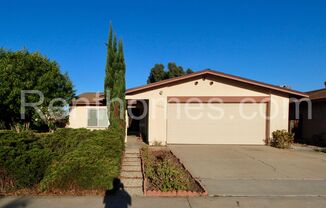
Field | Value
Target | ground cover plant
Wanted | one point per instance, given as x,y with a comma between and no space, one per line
164,172
66,160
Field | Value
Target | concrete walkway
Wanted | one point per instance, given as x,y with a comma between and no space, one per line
255,171
131,175
164,202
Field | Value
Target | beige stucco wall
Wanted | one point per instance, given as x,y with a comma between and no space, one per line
221,87
279,112
78,116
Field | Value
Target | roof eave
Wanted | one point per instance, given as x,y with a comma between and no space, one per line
214,73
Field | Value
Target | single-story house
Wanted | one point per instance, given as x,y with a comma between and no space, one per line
88,111
205,107
310,126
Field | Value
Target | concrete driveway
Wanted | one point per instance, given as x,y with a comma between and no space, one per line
235,170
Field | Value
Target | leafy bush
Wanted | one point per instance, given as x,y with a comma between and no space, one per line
91,165
22,70
64,140
22,160
163,173
157,143
282,139
65,159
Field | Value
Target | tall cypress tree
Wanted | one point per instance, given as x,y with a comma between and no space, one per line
114,109
108,82
121,84
115,82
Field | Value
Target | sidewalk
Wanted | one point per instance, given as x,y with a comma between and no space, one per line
163,202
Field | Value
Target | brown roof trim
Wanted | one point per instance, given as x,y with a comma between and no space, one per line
214,73
322,89
89,99
317,94
218,99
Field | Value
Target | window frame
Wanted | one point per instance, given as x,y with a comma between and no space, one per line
97,118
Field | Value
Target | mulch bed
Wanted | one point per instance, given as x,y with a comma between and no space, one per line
194,187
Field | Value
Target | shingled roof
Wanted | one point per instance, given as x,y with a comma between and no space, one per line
317,94
89,99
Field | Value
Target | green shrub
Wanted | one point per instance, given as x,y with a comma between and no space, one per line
66,159
163,173
282,139
64,140
92,164
22,159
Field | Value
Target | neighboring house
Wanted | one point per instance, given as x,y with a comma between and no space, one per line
313,130
205,107
88,111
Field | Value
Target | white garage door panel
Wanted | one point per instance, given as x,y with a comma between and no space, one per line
231,128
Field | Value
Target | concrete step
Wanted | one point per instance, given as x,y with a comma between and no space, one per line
132,182
131,159
131,163
132,155
129,174
130,168
135,191
132,151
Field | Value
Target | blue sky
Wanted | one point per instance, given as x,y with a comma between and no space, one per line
278,42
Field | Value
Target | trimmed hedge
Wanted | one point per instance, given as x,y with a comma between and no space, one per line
68,159
91,165
22,160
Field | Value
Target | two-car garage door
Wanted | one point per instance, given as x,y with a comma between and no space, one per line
228,123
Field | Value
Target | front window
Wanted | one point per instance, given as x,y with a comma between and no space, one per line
97,117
